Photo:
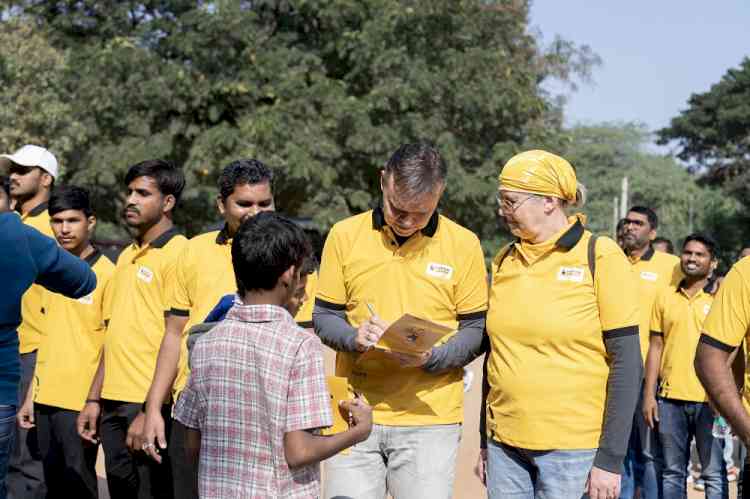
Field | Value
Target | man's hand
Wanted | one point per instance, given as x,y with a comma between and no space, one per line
369,333
650,411
480,469
134,438
408,360
359,415
25,416
88,422
602,484
153,434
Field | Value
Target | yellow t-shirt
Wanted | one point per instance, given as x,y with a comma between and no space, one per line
729,319
438,274
547,322
134,309
203,274
679,319
304,314
32,305
70,350
653,271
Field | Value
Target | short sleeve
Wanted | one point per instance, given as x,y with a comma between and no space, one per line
180,302
168,273
331,286
615,287
657,312
471,288
308,401
729,318
104,290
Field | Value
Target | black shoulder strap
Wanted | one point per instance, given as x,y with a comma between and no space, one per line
505,255
592,255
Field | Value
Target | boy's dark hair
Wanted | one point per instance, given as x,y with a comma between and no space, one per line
70,197
709,242
309,265
5,184
417,168
241,172
169,178
653,220
664,240
264,247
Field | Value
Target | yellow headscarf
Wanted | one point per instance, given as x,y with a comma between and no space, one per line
539,172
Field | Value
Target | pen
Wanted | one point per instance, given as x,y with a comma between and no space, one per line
371,309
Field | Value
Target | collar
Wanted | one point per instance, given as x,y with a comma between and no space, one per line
93,257
223,236
378,222
706,289
37,210
164,238
258,313
649,254
571,236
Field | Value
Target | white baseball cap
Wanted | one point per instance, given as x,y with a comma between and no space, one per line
31,155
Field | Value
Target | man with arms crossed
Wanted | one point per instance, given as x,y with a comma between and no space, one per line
401,258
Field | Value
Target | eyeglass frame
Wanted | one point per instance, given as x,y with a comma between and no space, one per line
501,203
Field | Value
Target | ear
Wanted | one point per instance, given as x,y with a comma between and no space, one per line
382,179
92,223
652,235
220,205
288,278
46,179
168,203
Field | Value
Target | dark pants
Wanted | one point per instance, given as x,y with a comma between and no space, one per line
69,462
7,433
132,476
25,471
184,469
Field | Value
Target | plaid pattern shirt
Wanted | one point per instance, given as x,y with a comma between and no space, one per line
254,377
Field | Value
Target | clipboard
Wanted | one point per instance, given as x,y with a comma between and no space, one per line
338,389
411,335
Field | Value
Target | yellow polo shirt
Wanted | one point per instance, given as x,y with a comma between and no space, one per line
70,350
653,271
438,274
134,309
728,321
32,305
304,314
547,322
203,274
679,319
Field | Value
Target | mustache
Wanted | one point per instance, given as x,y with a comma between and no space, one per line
132,208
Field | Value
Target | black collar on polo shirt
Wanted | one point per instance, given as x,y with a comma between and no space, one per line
164,238
93,257
38,209
571,237
223,236
378,222
649,254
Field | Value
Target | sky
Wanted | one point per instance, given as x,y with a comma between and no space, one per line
655,53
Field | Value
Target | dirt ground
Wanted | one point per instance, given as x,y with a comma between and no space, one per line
467,485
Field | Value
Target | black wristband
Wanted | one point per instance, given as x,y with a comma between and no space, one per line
143,407
94,401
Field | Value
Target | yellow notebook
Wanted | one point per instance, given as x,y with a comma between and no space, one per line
338,389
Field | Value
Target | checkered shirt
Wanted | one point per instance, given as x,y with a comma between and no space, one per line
254,377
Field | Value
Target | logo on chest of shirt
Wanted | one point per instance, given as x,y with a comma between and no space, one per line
649,276
145,274
572,274
87,300
439,270
706,309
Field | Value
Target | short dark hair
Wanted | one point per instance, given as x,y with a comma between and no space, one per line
653,220
309,265
709,242
169,178
664,240
70,197
242,172
264,247
417,167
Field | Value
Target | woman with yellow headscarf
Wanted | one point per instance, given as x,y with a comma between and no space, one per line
564,367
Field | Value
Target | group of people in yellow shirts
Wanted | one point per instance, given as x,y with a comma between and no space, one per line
566,320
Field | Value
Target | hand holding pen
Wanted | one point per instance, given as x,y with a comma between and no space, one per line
370,331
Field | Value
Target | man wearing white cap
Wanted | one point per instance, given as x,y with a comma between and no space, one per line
32,171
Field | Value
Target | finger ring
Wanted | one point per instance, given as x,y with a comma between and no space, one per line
147,446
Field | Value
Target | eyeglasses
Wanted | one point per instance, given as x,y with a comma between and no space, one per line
510,206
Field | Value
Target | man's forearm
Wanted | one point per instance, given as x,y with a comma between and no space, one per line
459,350
95,391
653,364
711,366
166,364
333,329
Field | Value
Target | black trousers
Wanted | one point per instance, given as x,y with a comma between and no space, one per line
25,472
69,462
132,475
184,470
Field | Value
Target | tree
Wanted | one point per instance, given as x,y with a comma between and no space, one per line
713,133
323,90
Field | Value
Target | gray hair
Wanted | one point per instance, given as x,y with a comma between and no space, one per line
417,168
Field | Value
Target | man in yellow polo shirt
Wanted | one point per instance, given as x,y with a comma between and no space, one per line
402,258
32,171
682,411
140,293
68,356
203,274
653,270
